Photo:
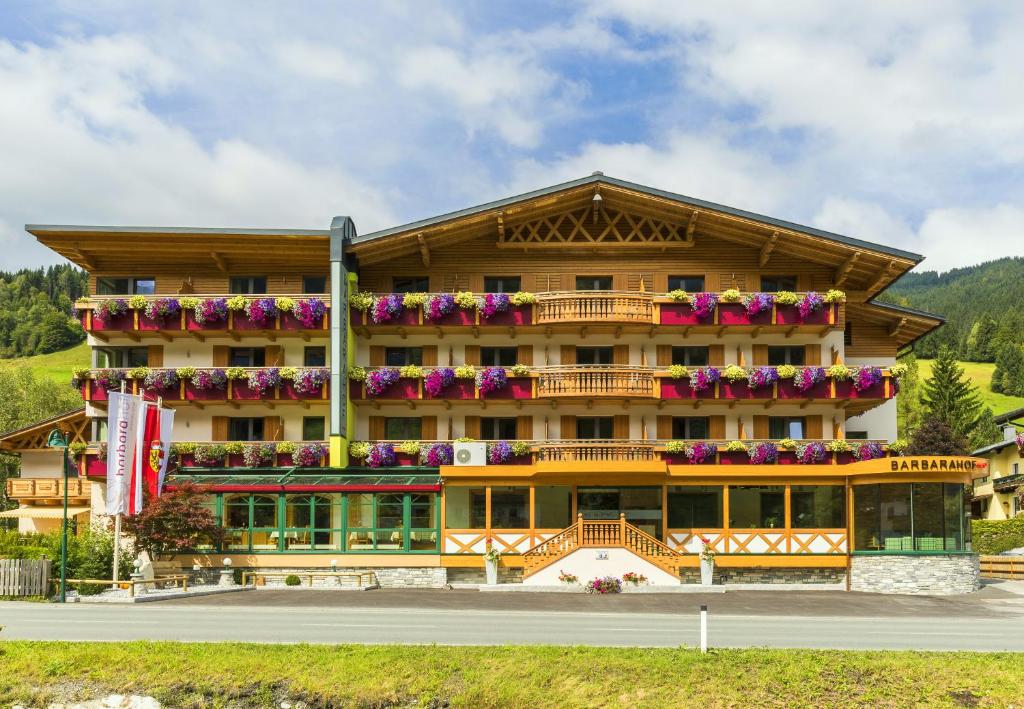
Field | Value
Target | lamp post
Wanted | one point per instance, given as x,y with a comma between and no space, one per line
58,439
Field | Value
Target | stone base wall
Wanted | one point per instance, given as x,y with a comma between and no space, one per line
476,575
758,574
387,577
925,574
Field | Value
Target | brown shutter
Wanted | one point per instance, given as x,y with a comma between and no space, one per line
568,430
473,427
814,428
476,282
760,427
472,355
812,355
273,428
273,355
219,430
376,355
716,355
716,428
620,354
759,354
620,427
221,355
377,429
524,428
664,355
664,428
430,355
660,282
620,281
524,355
155,356
436,282
428,428
568,354
803,282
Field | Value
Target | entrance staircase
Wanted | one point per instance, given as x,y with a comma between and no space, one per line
602,534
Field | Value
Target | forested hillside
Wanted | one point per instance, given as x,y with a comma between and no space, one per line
35,310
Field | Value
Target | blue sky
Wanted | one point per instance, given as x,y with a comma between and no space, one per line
901,123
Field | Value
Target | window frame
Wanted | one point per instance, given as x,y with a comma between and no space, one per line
787,353
680,283
496,284
415,284
594,278
410,356
314,349
497,423
247,285
131,285
599,423
784,285
684,355
492,356
314,291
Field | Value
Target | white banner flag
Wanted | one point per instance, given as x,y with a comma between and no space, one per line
122,432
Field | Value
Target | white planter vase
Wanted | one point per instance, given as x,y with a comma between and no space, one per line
707,571
491,569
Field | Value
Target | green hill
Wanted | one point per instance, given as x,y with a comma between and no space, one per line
55,366
980,373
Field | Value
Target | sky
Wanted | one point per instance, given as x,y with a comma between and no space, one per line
900,123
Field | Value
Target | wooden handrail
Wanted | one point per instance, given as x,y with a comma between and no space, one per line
595,381
590,306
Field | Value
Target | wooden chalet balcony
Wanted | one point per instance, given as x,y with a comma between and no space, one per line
134,324
595,380
593,306
46,488
219,454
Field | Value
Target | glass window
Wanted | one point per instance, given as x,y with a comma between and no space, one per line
245,429
247,357
929,517
401,356
690,356
596,427
314,357
786,427
690,284
404,428
313,428
144,286
422,522
593,282
116,357
498,356
497,429
757,507
786,355
264,523
817,507
857,435
314,284
248,285
360,510
502,284
510,508
410,284
113,286
894,506
910,517
689,427
464,508
695,506
594,355
552,507
773,284
389,521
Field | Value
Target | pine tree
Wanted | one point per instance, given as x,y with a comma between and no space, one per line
1008,376
951,398
908,401
988,431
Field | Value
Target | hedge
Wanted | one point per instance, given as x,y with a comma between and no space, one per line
996,536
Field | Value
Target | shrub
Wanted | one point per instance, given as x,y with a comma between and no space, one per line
997,536
292,580
176,521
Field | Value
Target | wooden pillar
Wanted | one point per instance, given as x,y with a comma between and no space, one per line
788,518
533,516
725,518
573,512
664,513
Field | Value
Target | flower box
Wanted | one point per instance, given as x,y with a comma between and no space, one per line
172,394
404,388
355,390
675,458
186,460
234,460
515,315
790,315
787,390
285,460
844,458
406,316
458,316
517,388
741,390
241,321
680,314
94,467
726,458
787,458
121,323
407,459
846,390
519,460
193,393
459,389
99,393
736,314
292,323
241,391
192,326
149,324
288,392
680,389
357,317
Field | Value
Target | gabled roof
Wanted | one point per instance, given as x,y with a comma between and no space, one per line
34,435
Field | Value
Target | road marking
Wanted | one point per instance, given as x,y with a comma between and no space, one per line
77,620
379,626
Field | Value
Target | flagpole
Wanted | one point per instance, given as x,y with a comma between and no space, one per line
117,528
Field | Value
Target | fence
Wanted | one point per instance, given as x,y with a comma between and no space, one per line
1002,567
24,577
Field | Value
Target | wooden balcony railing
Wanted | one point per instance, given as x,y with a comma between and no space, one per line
94,385
566,451
46,488
593,306
595,380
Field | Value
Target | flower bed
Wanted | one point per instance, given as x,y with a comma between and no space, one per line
457,389
306,314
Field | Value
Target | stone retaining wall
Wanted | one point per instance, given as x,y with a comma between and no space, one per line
921,574
780,576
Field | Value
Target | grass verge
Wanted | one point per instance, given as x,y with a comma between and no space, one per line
244,675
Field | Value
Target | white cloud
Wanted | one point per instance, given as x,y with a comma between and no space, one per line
958,236
320,62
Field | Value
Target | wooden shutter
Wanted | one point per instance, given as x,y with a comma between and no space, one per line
524,428
620,281
814,428
476,282
473,427
273,428
377,355
377,428
524,355
219,430
155,356
273,356
568,430
641,282
716,355
472,355
759,354
664,355
430,355
664,428
760,427
803,282
620,354
221,355
812,355
428,428
568,354
620,427
716,428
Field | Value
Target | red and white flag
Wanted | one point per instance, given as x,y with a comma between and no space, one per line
155,425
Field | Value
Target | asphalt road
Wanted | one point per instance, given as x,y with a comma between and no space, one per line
990,620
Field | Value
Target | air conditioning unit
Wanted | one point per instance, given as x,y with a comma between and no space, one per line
471,454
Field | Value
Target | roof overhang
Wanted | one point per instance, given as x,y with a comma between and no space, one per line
42,512
904,325
34,436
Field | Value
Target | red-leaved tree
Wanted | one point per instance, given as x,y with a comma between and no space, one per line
176,521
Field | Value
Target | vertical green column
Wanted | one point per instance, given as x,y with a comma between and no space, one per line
342,231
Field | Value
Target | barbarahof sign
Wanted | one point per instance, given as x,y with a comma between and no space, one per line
899,465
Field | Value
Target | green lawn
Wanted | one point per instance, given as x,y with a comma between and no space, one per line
239,675
981,374
57,365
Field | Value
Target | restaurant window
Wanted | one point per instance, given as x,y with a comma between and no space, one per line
910,517
247,357
314,428
689,427
314,357
389,522
695,506
593,282
497,429
817,506
786,355
690,356
757,507
121,357
126,286
314,284
786,427
690,284
410,284
465,508
552,507
401,356
510,508
773,284
403,428
247,285
595,427
312,522
498,356
245,429
594,355
502,284
264,523
422,522
393,522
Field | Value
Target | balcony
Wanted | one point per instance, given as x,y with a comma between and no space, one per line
595,381
595,306
51,489
243,455
201,316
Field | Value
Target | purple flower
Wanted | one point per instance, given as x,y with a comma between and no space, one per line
491,379
211,310
494,303
109,379
261,311
703,304
438,454
257,454
379,380
763,454
310,381
810,453
205,379
439,305
163,308
808,377
264,380
758,302
701,452
499,452
309,312
382,455
869,451
386,308
110,309
703,378
810,303
438,380
762,377
161,380
309,454
866,377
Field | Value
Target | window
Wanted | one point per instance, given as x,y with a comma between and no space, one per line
597,427
99,429
314,357
552,507
405,428
122,357
423,522
502,284
690,284
594,355
498,356
247,357
388,519
248,285
465,508
817,507
786,355
848,334
773,284
689,427
786,427
401,356
757,507
312,522
497,429
690,356
314,284
410,284
510,508
378,522
314,428
126,286
593,282
857,435
245,429
695,506
910,517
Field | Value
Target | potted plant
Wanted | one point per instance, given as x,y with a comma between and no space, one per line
702,453
437,381
305,314
204,384
491,558
285,451
787,451
734,385
501,309
160,314
564,577
703,382
675,453
205,313
707,562
605,585
407,453
358,303
632,578
805,383
113,314
491,380
437,454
